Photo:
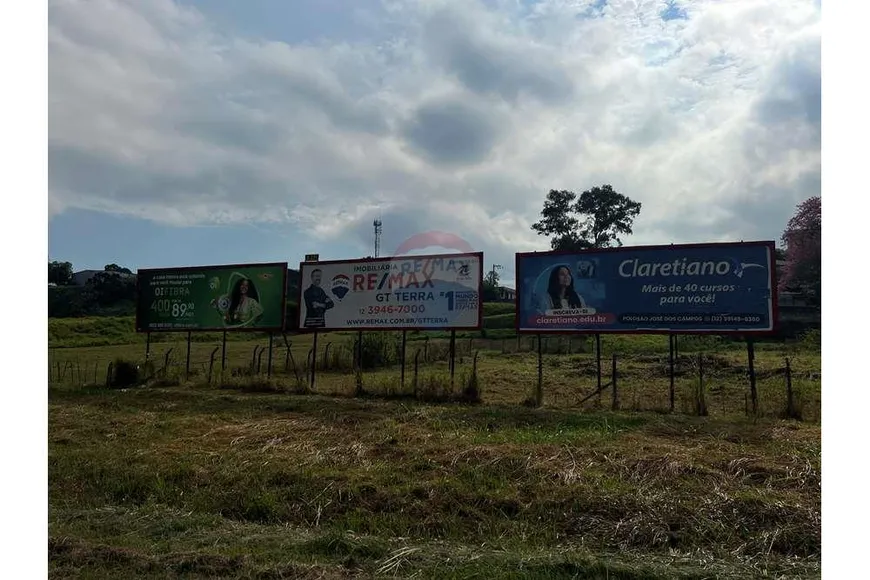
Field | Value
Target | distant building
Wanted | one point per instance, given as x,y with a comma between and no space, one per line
506,294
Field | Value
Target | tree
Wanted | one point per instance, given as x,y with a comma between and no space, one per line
594,220
107,288
490,286
803,249
116,268
60,273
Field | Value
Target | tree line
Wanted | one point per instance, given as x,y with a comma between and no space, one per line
111,291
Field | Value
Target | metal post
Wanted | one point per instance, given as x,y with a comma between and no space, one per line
147,346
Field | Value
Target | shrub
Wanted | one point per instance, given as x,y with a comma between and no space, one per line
379,349
124,374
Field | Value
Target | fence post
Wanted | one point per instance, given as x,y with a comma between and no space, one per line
416,371
187,362
287,345
671,354
701,400
166,362
269,363
325,365
790,411
539,391
598,363
211,363
254,358
753,391
260,358
224,352
615,404
404,350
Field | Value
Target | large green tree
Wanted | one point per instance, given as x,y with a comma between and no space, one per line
60,273
595,219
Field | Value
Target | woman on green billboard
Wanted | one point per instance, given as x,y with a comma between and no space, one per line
242,308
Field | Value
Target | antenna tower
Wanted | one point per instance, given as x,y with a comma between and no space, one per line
377,225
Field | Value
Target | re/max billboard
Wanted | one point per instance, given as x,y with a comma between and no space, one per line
439,291
693,288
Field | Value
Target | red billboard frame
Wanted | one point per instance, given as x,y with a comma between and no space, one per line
478,255
770,245
216,267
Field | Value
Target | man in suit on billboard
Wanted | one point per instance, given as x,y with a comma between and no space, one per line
316,302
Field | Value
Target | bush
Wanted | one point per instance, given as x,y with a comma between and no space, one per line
811,339
124,374
379,349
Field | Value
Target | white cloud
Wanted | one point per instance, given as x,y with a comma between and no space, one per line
459,116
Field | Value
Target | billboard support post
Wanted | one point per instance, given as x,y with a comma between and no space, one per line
672,339
147,346
753,391
358,352
187,362
224,352
269,363
539,390
404,345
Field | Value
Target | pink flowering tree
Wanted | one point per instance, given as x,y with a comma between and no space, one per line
803,249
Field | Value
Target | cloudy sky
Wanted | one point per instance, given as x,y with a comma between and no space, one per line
225,131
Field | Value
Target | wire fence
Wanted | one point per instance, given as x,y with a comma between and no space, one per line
556,371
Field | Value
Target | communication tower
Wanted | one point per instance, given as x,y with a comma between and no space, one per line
377,225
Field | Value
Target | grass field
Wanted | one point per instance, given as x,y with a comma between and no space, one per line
256,477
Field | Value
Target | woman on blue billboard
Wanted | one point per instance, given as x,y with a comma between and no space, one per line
561,294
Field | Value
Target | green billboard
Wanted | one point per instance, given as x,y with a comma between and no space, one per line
237,297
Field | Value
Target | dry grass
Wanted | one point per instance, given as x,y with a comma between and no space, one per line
251,476
216,483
